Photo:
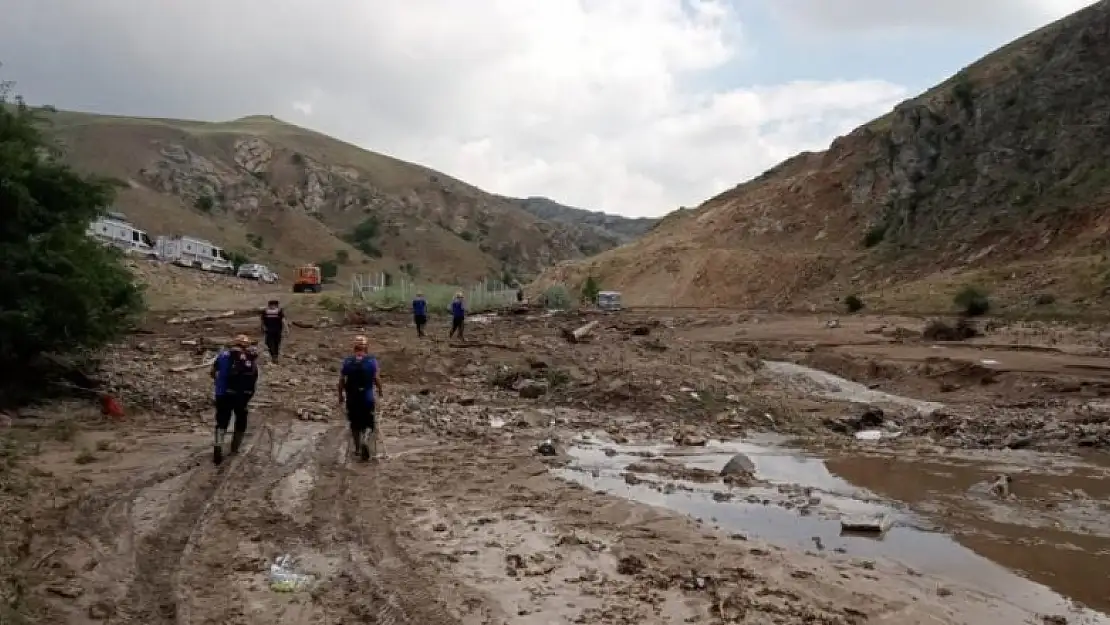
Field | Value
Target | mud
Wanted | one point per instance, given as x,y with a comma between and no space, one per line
463,522
803,498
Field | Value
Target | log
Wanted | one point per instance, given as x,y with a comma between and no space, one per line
209,317
184,368
579,335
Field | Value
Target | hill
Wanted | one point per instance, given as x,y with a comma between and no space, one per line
999,177
611,230
285,195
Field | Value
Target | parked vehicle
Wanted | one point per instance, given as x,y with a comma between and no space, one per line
609,300
255,271
308,278
193,252
114,229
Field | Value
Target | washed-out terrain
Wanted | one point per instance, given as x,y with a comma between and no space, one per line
670,467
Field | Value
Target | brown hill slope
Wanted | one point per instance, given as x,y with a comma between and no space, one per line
999,177
286,195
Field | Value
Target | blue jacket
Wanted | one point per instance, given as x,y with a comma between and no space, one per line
458,311
360,384
420,307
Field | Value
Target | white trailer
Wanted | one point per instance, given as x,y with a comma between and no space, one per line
114,229
193,252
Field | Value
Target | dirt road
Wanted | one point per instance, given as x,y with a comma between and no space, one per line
127,522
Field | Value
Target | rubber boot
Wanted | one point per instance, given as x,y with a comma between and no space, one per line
237,441
364,446
218,447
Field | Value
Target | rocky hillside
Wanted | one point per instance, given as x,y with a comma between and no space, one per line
998,178
611,230
285,195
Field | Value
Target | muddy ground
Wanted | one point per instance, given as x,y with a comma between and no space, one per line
463,520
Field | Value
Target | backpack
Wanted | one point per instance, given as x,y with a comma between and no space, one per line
242,373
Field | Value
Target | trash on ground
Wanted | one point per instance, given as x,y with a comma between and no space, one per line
284,579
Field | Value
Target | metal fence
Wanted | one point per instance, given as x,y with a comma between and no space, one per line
379,290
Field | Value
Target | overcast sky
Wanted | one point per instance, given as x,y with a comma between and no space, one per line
630,106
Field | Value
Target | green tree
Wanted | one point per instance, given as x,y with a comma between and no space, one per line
238,259
590,290
329,269
60,291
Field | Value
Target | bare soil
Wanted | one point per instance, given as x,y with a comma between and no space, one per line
126,521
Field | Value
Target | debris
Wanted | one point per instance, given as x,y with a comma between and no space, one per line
284,579
579,335
546,448
877,524
208,317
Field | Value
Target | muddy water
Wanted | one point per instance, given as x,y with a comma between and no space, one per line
1055,530
802,499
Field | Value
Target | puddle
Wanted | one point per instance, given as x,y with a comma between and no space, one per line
829,386
800,505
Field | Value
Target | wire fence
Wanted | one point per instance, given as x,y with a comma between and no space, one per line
376,290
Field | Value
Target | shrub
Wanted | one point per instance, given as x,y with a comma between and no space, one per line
853,303
590,289
874,236
941,330
342,256
557,297
972,302
60,291
329,269
205,203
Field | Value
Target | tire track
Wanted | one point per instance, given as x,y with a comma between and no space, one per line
152,596
382,584
203,586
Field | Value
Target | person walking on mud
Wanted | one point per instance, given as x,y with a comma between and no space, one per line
359,380
458,316
235,373
274,325
420,314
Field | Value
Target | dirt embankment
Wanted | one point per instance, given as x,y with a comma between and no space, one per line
126,521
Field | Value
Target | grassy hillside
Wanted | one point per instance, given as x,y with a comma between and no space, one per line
285,195
997,178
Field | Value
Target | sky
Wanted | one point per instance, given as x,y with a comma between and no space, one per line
634,107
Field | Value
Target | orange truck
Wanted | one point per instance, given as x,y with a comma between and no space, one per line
308,280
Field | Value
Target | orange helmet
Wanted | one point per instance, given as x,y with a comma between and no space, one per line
242,341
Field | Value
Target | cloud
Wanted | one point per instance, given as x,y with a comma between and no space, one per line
1012,17
590,102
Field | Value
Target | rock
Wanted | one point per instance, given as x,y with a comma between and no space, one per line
546,448
687,438
630,565
532,389
739,463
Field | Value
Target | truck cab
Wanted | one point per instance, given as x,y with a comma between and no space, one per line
308,279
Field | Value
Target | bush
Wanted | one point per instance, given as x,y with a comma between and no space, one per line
238,259
874,236
972,302
342,256
329,269
853,303
941,330
60,291
557,297
205,203
590,289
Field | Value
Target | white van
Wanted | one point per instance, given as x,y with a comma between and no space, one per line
255,271
193,252
114,229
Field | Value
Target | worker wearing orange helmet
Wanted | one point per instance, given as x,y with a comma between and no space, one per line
359,381
235,374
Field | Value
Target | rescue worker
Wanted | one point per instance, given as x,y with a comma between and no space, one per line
359,380
235,372
458,316
274,325
420,313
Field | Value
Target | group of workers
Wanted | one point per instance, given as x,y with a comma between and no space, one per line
235,376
